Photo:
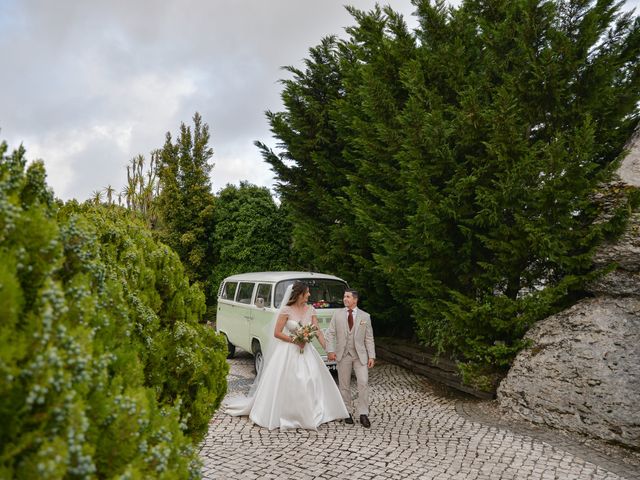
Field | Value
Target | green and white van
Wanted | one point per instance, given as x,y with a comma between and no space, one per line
247,303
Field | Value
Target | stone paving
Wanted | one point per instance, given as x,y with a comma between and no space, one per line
416,433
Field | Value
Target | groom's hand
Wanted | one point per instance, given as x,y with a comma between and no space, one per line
371,362
331,356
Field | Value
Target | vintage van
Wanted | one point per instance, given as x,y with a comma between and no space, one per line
247,303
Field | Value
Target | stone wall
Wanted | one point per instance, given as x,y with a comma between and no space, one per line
424,361
582,372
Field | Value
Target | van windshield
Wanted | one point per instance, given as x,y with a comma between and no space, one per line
325,293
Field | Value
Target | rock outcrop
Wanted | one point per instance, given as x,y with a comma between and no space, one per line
629,170
625,253
582,372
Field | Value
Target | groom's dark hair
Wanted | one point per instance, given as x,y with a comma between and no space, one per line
353,292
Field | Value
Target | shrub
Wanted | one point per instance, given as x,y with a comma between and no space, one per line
105,370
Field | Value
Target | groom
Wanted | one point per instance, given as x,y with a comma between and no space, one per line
350,343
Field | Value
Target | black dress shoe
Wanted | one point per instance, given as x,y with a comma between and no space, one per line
349,420
364,421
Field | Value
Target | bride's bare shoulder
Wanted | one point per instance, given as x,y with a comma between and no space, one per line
285,310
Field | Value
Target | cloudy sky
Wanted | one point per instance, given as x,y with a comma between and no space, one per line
88,85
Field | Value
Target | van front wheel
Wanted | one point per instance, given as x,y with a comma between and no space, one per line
258,358
231,348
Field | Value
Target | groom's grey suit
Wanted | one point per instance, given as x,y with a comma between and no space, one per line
353,349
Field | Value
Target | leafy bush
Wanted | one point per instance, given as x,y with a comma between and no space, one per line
251,233
105,369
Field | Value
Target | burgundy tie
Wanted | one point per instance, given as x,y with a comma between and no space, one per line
350,319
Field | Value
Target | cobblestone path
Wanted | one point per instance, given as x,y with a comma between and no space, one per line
416,433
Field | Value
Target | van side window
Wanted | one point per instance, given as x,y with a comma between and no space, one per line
245,290
264,292
281,287
229,290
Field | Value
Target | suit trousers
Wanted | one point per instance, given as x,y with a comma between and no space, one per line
346,365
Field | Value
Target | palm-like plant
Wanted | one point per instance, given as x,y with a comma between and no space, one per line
142,187
96,197
109,191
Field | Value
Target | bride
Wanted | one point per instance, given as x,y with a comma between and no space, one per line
293,389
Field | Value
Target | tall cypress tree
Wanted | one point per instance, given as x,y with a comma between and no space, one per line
314,175
185,202
534,114
498,156
311,170
313,184
368,119
467,154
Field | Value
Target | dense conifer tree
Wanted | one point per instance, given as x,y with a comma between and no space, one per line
313,186
368,119
313,176
538,101
467,154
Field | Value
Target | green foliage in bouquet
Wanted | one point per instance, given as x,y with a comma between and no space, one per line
105,371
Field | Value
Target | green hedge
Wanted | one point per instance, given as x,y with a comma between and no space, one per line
105,370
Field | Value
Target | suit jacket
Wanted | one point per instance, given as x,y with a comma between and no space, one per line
338,333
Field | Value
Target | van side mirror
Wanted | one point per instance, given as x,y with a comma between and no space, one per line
259,302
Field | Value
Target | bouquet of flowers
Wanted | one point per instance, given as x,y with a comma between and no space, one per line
304,334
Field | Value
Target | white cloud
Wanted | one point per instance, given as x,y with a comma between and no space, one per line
240,161
56,148
96,83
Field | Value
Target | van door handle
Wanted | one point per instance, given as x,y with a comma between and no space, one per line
247,317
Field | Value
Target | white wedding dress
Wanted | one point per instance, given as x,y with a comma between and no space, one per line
295,390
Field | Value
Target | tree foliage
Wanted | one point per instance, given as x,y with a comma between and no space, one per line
186,203
105,370
142,188
251,232
327,235
454,166
239,230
